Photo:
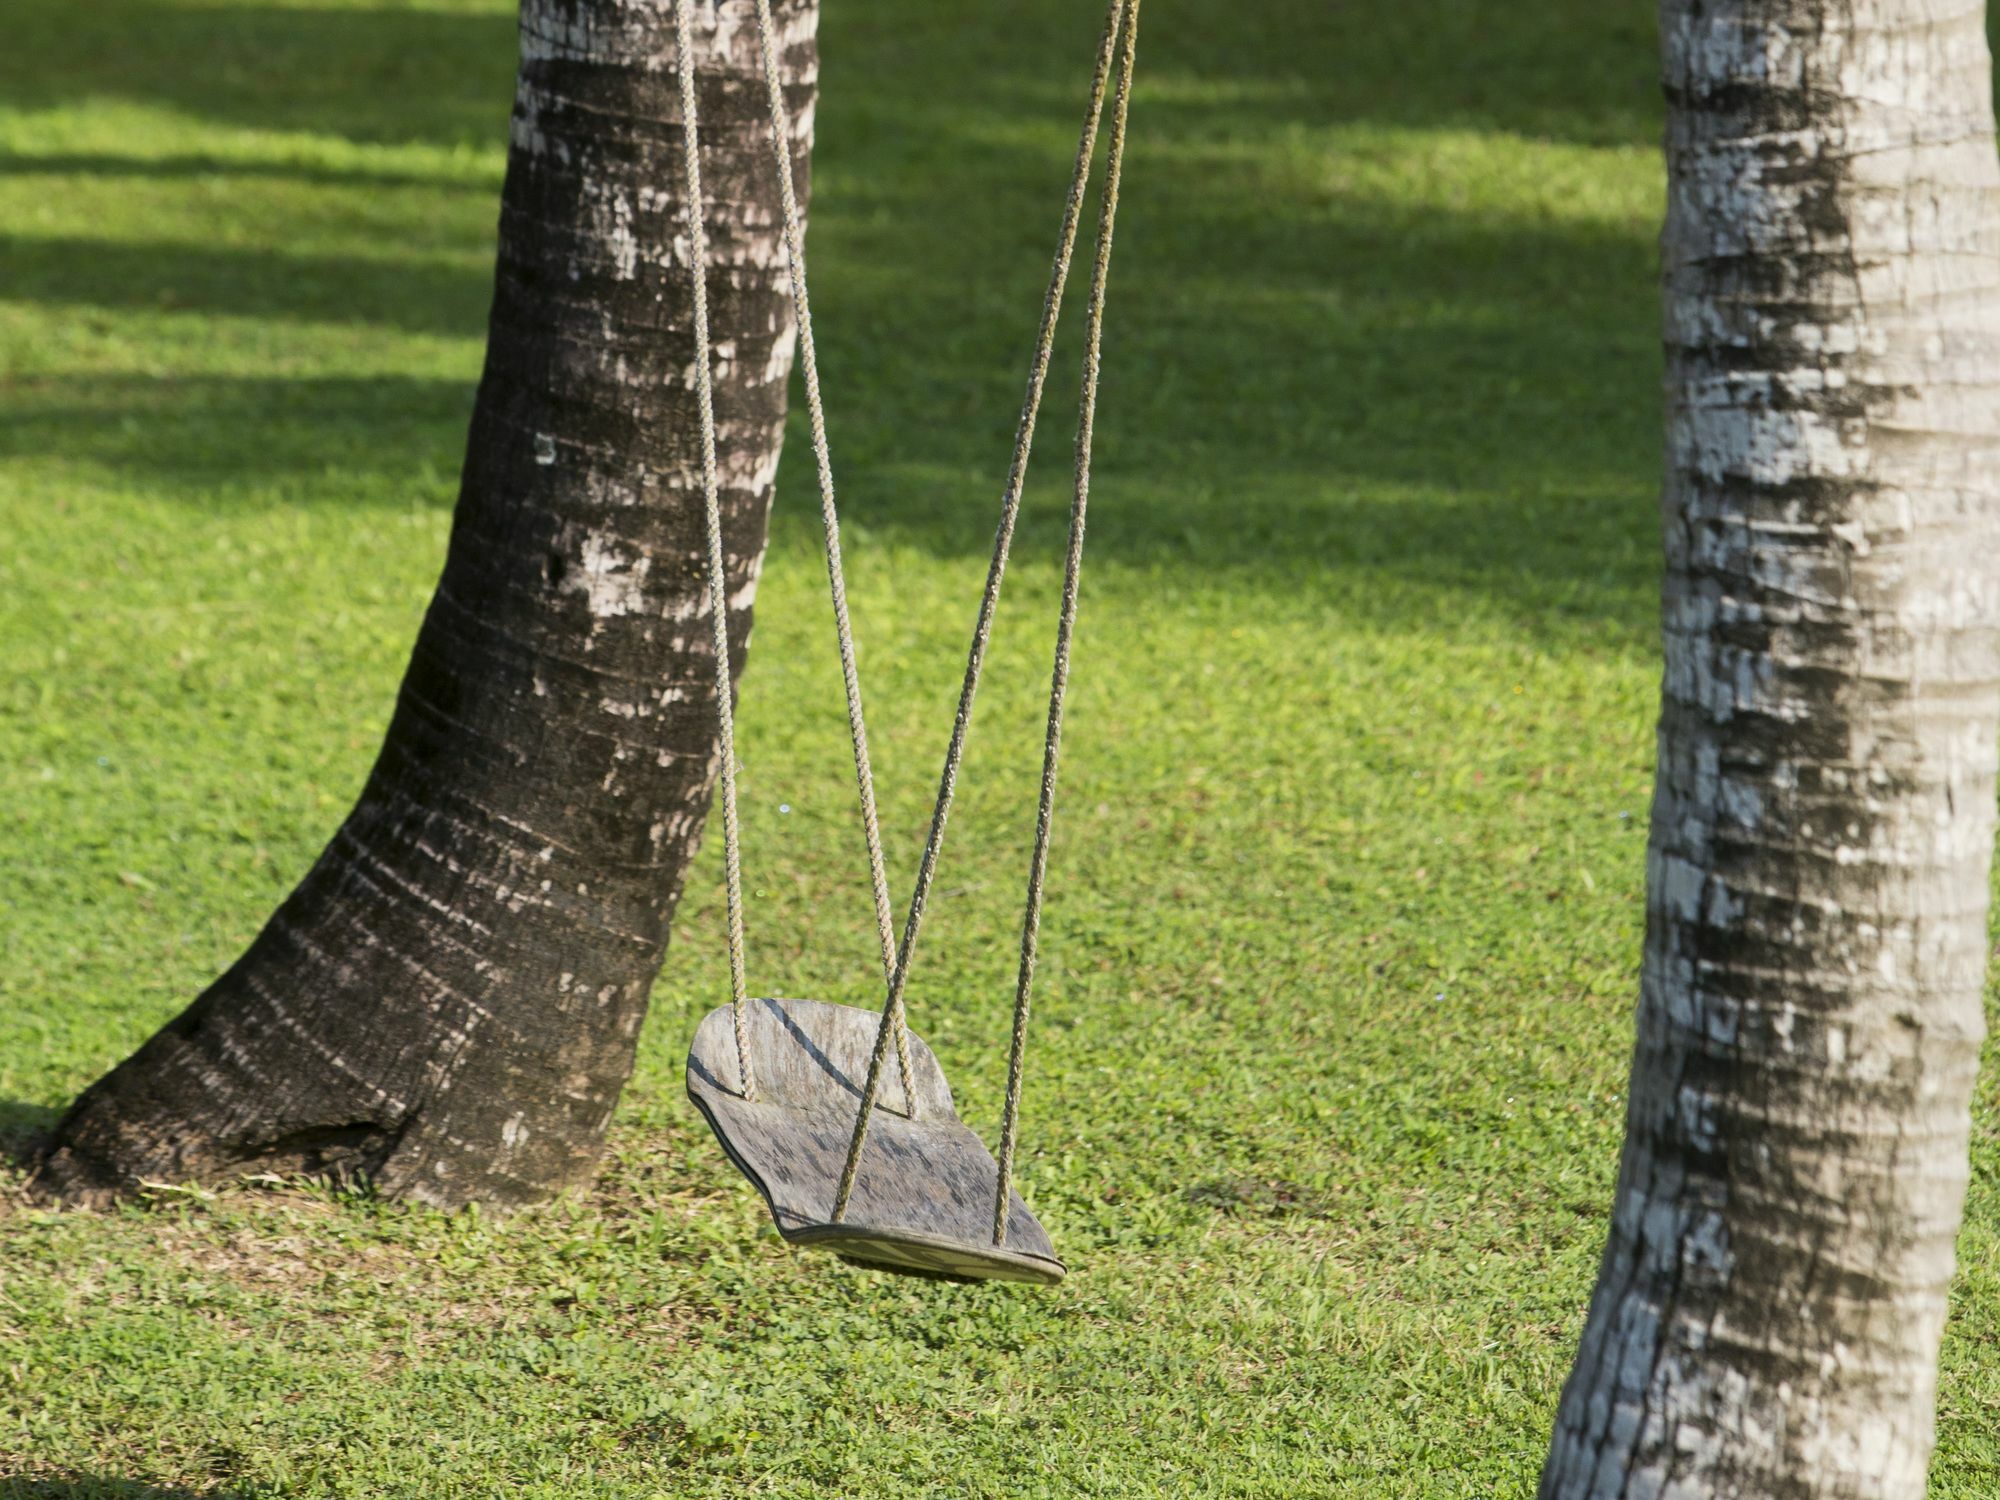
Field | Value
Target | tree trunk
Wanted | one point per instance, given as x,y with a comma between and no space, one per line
1767,1316
448,1003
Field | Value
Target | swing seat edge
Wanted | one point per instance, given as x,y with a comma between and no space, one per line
923,1199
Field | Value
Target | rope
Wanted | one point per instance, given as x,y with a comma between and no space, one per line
1010,508
857,728
717,582
1114,154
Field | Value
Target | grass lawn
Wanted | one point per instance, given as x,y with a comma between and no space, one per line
1346,898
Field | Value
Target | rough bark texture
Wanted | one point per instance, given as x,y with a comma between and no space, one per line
448,1002
1767,1316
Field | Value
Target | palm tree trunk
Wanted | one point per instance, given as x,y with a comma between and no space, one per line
1767,1316
449,1001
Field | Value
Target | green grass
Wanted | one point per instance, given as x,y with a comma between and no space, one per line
1347,888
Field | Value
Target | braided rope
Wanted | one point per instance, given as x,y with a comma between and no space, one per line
857,727
1114,156
1010,508
718,588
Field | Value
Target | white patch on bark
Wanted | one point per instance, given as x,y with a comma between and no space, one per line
624,244
611,578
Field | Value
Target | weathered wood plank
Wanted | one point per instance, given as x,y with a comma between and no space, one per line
923,1199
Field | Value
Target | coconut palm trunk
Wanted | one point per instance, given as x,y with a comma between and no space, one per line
448,1003
1768,1313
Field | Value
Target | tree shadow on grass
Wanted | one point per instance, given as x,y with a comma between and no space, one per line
199,166
1499,439
1580,71
1314,380
374,74
416,296
102,1488
1583,72
22,1126
1334,363
211,440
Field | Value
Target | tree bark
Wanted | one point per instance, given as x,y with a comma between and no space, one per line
449,1001
1768,1312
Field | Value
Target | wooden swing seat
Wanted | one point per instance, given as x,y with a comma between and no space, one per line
923,1199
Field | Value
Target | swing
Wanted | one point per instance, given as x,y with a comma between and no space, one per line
883,1172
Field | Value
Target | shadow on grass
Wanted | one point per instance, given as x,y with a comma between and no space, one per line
198,166
97,1488
237,281
22,1127
208,439
367,73
376,73
1248,437
1586,73
1309,385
